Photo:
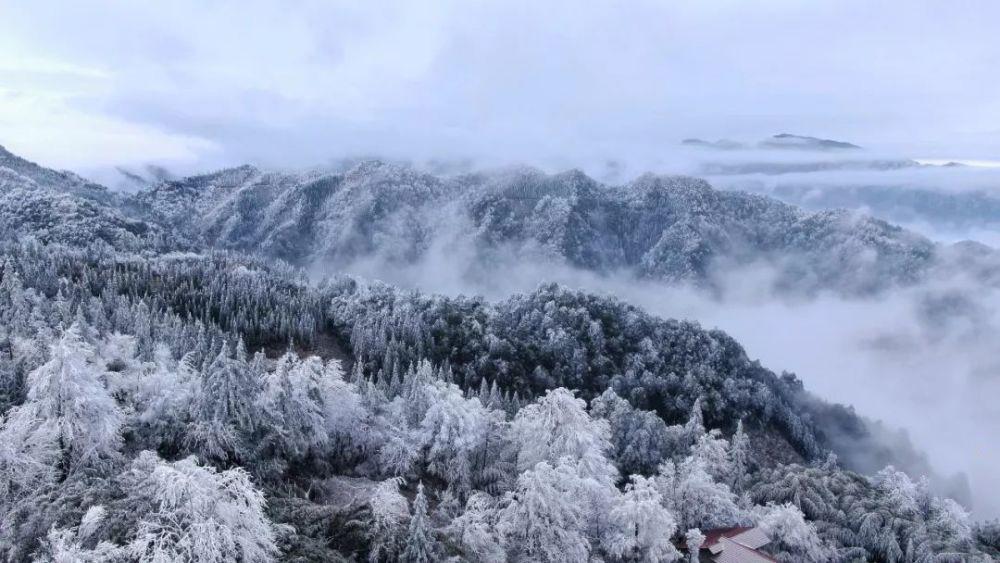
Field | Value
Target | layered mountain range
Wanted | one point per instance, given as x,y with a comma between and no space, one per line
188,276
669,228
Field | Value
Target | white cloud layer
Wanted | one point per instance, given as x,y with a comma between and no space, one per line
293,83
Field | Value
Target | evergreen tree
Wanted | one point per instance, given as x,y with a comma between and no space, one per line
640,439
558,426
419,540
452,430
739,459
791,534
695,425
228,411
643,526
69,416
542,520
193,512
386,532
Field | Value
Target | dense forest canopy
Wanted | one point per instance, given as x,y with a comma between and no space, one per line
172,387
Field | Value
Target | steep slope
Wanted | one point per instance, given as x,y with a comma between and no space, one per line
676,229
53,206
556,337
298,217
670,228
528,344
162,353
15,170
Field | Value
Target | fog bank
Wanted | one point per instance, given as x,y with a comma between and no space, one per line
921,359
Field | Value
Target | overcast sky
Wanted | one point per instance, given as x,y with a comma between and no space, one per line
92,83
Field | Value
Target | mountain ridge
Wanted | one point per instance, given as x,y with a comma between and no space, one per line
191,344
672,228
675,229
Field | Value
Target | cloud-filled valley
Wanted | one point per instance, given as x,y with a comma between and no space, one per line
865,313
500,281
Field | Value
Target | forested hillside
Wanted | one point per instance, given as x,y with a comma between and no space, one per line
171,392
676,229
666,228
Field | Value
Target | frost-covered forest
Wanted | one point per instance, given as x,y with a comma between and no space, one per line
174,388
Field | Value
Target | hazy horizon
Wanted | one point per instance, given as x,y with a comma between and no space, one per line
100,84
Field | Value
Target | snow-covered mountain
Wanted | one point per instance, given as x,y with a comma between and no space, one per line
165,377
675,229
53,206
18,172
655,227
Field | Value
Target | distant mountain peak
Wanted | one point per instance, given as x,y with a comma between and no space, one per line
803,142
720,144
779,141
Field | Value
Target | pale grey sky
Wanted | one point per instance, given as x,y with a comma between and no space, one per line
97,83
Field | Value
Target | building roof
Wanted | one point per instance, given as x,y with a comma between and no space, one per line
737,544
713,536
734,552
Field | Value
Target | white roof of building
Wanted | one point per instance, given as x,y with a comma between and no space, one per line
736,545
735,552
750,537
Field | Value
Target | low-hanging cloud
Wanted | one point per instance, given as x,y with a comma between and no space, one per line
230,82
922,360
